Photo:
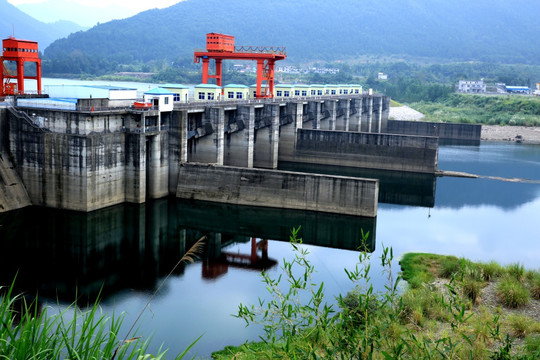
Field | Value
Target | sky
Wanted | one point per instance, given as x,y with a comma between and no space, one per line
87,12
136,5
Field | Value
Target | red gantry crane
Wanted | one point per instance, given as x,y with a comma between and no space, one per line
19,51
221,47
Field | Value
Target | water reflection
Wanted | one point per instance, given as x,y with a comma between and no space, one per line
489,159
66,254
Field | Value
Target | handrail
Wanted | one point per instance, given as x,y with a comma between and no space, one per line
26,117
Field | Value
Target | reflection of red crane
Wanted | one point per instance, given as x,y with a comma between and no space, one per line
221,47
213,268
19,51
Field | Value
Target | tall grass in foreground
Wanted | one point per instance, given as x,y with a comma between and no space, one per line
27,331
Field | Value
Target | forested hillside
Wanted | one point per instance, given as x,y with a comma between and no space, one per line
497,31
15,22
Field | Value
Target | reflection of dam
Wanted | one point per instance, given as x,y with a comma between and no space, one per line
63,254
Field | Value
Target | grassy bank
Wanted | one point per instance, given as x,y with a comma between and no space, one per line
451,309
483,109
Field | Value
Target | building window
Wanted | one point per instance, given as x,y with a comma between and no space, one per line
254,94
345,91
304,92
296,92
210,96
201,96
319,92
327,92
333,92
286,93
176,97
313,92
166,100
356,91
279,93
239,95
230,94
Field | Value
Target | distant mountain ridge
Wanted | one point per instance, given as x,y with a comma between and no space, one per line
486,30
15,22
51,10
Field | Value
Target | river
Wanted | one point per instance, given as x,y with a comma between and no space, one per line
126,251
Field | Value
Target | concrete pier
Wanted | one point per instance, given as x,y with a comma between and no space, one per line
448,133
280,189
366,150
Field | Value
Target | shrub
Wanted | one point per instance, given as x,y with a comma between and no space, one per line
520,325
491,270
471,289
449,266
532,345
517,271
512,293
533,283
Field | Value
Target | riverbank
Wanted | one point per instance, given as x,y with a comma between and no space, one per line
452,306
523,134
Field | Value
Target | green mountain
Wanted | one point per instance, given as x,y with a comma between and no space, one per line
495,31
15,22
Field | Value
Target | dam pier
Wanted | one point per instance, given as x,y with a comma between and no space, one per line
91,153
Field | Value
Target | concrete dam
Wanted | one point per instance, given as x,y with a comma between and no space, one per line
100,154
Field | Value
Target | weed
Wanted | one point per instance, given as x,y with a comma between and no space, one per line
517,271
512,293
520,325
491,270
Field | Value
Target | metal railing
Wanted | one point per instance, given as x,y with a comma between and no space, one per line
279,50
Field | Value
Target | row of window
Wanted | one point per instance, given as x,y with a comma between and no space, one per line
286,93
21,50
210,96
239,95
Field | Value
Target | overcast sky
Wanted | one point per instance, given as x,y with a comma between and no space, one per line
87,12
137,5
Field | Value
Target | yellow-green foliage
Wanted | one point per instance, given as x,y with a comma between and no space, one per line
483,109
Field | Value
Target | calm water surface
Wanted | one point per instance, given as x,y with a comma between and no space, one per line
127,250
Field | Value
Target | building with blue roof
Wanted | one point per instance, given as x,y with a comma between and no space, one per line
161,99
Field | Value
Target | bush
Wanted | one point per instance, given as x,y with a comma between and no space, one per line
512,293
491,270
471,289
521,325
517,271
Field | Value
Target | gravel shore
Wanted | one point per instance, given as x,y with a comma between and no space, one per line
527,135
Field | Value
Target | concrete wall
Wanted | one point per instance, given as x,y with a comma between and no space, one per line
366,150
85,172
13,194
272,188
447,132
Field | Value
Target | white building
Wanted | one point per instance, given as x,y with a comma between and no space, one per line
161,99
472,87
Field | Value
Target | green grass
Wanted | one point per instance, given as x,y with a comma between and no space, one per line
29,332
481,109
512,293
